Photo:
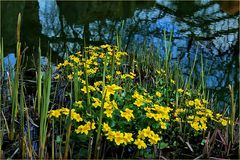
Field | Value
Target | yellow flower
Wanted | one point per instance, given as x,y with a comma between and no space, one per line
110,135
97,102
82,129
128,114
108,77
75,59
114,104
79,104
105,46
158,94
190,103
146,132
154,138
172,81
140,144
112,88
127,138
139,99
197,102
65,63
108,113
84,89
179,111
57,77
80,73
85,128
106,127
70,76
178,119
54,113
83,81
139,102
59,66
195,125
93,125
90,88
180,90
163,125
223,122
64,111
98,83
76,117
132,75
118,72
118,137
205,101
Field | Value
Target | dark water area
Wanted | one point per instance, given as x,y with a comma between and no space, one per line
210,26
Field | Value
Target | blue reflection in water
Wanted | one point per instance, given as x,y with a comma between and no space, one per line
9,63
146,27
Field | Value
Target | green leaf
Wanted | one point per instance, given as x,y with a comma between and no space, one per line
58,139
174,143
163,145
203,142
155,125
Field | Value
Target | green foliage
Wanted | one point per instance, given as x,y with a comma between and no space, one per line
114,102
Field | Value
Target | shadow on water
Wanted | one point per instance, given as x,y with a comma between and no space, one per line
211,26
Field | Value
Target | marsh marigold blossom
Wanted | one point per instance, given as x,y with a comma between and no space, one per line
128,114
140,144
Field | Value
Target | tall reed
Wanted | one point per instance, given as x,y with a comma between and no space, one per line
39,79
98,142
68,125
15,80
22,121
233,112
45,102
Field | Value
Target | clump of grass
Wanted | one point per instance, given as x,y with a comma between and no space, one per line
135,106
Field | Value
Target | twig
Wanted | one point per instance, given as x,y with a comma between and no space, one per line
163,158
198,157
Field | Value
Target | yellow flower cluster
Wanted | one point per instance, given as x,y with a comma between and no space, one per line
111,89
109,106
159,114
109,94
146,133
65,111
220,119
177,114
91,59
197,114
117,136
85,128
197,123
131,75
139,99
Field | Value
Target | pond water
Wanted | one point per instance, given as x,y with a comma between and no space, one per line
210,26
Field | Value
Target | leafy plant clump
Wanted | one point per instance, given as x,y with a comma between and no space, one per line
107,106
